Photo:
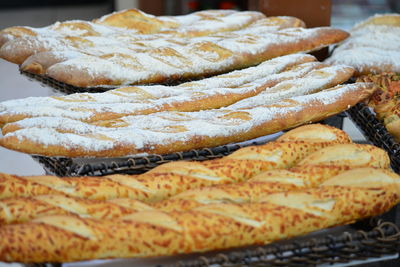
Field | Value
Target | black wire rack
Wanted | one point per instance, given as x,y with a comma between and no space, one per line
375,132
61,86
134,165
66,88
382,240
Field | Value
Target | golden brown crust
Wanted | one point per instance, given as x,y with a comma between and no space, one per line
172,178
231,181
153,233
135,19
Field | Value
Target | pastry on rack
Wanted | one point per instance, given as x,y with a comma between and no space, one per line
288,75
347,197
385,100
309,172
99,60
171,131
373,46
172,178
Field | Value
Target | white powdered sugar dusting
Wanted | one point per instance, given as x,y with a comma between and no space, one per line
136,100
373,47
142,132
123,57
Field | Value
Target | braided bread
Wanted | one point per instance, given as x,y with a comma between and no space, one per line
309,172
347,197
172,178
373,46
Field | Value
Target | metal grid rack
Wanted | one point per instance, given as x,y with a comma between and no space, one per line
63,87
66,88
381,240
376,132
71,167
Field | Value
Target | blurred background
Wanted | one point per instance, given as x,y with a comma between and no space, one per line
38,13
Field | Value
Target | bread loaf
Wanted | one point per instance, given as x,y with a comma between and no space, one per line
194,96
350,196
215,92
196,59
309,172
133,22
112,56
172,178
166,132
37,53
373,46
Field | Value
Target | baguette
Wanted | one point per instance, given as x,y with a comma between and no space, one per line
208,93
311,171
96,60
310,174
134,22
152,233
40,52
166,132
101,108
172,178
196,59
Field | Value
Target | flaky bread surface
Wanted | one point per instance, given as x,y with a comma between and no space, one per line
218,226
172,178
20,209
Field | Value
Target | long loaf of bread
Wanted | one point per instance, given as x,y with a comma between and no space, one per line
309,172
172,178
99,60
347,197
133,22
166,132
215,92
47,50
